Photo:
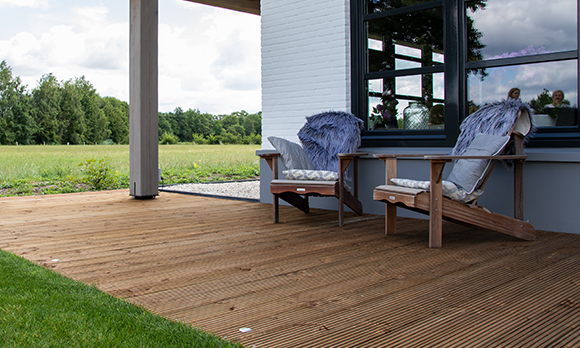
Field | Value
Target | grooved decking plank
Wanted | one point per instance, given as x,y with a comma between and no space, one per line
222,264
393,310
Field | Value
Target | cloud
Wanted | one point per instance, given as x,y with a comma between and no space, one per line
89,18
507,26
209,58
211,63
87,46
24,3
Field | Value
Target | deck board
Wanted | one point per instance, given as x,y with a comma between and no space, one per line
222,264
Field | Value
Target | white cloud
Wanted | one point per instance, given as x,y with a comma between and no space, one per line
508,26
24,3
96,50
209,58
211,63
90,17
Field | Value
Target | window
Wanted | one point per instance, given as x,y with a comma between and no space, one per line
420,67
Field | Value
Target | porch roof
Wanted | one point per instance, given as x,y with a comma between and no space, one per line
222,265
248,6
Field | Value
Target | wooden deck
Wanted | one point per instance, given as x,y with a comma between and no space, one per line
223,265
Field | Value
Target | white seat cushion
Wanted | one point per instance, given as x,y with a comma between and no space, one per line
449,189
303,174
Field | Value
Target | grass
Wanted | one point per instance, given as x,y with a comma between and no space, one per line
30,170
40,308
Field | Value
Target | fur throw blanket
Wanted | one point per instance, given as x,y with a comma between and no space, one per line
496,118
327,134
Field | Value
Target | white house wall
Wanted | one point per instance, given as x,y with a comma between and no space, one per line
305,63
306,69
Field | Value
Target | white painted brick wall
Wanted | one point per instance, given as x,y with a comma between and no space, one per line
305,63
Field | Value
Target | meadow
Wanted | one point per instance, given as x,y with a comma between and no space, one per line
37,169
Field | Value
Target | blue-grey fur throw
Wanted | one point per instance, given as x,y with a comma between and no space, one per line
327,134
496,118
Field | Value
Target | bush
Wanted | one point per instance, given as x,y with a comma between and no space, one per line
99,174
230,138
169,138
199,139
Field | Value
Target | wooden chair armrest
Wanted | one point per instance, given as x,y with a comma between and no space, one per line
272,160
496,157
398,155
268,155
344,160
351,155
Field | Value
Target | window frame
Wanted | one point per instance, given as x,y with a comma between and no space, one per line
455,72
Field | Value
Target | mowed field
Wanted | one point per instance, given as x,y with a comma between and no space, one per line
42,169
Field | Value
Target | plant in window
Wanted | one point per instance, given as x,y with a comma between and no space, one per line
385,113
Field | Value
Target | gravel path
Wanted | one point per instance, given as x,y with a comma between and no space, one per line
243,189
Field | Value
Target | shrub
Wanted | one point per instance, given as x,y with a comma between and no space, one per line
169,138
99,174
199,139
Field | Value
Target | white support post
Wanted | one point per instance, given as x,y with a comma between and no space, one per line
143,112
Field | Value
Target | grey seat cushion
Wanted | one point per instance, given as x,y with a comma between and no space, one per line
293,156
468,174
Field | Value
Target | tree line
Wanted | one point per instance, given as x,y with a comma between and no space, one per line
72,112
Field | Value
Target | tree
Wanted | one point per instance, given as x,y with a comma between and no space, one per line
97,123
117,114
203,124
15,120
46,110
164,125
72,115
229,121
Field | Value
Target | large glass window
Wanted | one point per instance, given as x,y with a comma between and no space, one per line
538,53
534,84
420,67
386,5
405,54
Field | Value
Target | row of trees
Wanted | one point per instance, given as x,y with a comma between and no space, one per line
72,112
58,112
239,127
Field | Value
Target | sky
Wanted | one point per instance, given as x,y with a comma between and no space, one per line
209,58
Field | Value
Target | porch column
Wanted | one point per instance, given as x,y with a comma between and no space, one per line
143,101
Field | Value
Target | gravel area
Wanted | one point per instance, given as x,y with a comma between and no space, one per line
249,189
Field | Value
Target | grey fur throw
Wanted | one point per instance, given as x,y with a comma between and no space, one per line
496,118
327,134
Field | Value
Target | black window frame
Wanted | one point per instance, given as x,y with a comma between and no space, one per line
455,72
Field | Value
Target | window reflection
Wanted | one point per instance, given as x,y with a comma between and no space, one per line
406,41
392,102
537,84
512,28
385,5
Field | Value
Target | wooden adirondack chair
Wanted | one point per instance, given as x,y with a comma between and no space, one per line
431,201
322,171
297,192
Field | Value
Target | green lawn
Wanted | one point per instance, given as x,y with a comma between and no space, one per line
28,170
40,308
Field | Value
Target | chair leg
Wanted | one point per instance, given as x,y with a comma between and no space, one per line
436,206
390,218
341,207
275,205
